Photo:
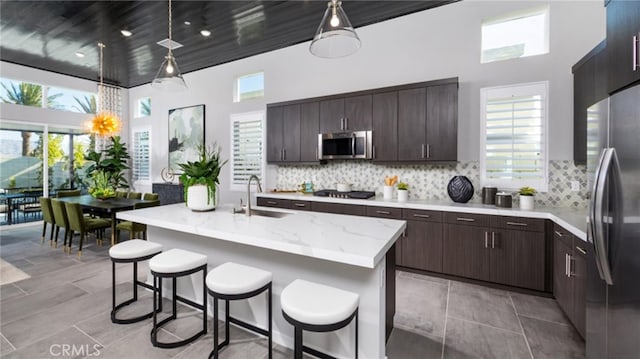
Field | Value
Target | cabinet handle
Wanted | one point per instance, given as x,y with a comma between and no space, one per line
517,224
465,219
342,123
486,239
422,153
493,240
300,204
373,150
559,234
635,53
383,212
421,215
582,251
284,154
346,123
567,264
428,150
272,202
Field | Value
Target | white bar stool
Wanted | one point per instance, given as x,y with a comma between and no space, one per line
131,251
232,281
172,264
317,308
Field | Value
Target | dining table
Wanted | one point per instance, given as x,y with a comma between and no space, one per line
107,206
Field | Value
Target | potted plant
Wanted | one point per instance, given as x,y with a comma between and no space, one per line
403,191
100,187
526,197
200,179
113,163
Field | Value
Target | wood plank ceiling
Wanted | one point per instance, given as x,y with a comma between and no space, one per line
47,34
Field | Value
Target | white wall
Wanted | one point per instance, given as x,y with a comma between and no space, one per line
433,44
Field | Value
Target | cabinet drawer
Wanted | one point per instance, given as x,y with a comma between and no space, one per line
384,212
422,215
337,208
470,219
300,205
273,202
562,235
523,224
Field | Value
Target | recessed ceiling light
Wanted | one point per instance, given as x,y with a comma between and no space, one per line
187,23
80,54
126,33
205,33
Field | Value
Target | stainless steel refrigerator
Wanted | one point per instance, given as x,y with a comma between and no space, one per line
613,269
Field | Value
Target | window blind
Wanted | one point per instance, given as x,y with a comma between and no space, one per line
247,148
140,158
515,136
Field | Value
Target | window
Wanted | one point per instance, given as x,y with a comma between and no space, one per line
21,93
141,161
30,94
517,35
249,87
71,100
514,136
144,107
247,146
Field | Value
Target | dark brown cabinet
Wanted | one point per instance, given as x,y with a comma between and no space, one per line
385,126
338,208
570,276
273,202
300,205
623,46
422,241
504,250
428,123
283,134
589,87
346,114
309,129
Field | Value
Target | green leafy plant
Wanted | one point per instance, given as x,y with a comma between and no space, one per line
528,191
204,171
113,161
100,186
12,182
403,186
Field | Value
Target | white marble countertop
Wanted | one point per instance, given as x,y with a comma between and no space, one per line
573,220
353,240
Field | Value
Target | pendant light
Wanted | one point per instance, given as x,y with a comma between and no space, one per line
104,123
169,77
335,36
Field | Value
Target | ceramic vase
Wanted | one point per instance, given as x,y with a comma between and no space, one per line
526,202
200,199
387,192
403,195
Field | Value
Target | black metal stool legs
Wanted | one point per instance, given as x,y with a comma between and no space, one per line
116,307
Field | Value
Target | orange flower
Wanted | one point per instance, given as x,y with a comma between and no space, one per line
105,124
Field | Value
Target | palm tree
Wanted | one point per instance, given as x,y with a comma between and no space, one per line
87,104
27,94
145,107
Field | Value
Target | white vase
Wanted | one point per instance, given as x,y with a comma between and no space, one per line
403,195
526,202
387,192
200,199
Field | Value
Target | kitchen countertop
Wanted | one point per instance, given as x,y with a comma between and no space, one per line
357,241
573,220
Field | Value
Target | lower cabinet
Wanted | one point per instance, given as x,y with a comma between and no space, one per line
422,241
465,251
337,208
570,276
273,202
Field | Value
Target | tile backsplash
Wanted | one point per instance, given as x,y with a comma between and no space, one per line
430,181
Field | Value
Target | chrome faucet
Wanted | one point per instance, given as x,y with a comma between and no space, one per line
248,211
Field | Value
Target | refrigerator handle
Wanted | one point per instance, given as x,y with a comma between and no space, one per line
602,256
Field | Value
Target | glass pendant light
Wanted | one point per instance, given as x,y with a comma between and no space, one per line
335,36
169,77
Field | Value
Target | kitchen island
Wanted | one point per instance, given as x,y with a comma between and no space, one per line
347,252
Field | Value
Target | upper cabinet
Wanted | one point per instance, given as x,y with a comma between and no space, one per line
623,43
346,114
385,126
428,123
283,134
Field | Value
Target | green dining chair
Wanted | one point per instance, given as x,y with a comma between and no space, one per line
83,225
150,197
69,193
122,194
133,227
135,195
47,218
60,217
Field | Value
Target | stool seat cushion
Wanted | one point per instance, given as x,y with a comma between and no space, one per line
176,260
134,248
233,278
317,304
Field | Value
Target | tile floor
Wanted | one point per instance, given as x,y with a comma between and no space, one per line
66,301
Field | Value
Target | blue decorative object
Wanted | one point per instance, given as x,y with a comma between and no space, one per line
460,189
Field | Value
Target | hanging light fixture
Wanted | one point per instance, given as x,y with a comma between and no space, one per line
104,123
169,77
335,36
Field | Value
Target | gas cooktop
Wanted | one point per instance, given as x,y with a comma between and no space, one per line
353,194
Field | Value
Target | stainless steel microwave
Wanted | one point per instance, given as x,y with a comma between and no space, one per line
345,145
